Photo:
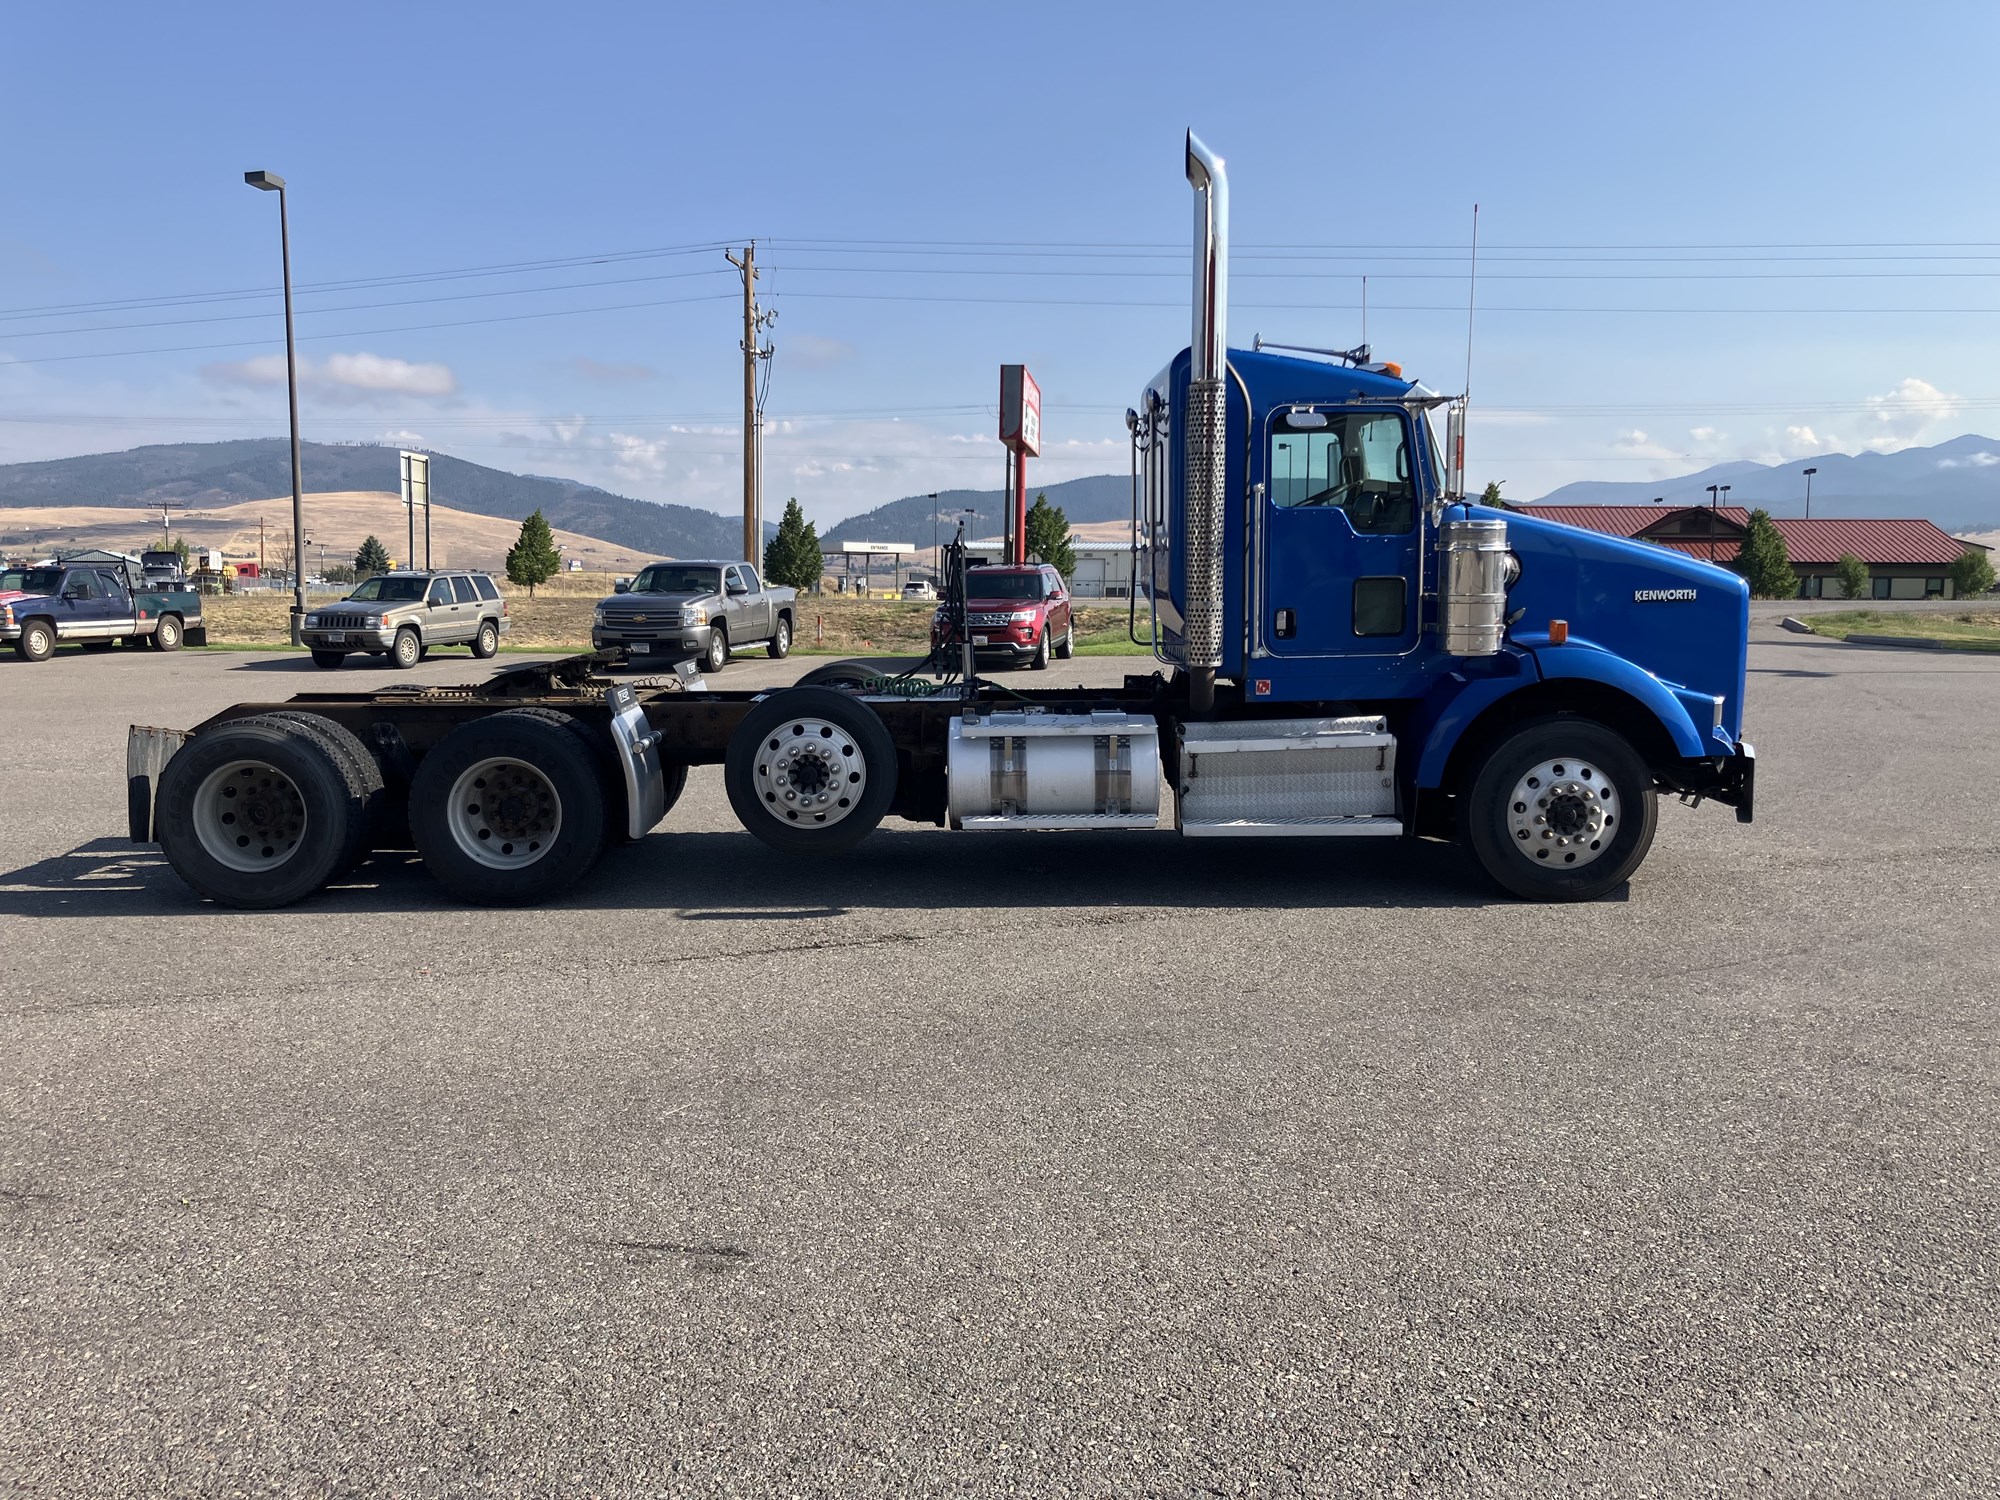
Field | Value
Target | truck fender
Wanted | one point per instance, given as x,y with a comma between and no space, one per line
1577,662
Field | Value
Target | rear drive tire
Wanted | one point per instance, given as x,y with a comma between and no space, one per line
1563,809
717,655
166,634
408,650
810,770
329,659
364,772
509,809
260,813
486,644
781,640
37,642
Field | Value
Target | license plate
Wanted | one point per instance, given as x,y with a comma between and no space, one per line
639,648
336,638
980,640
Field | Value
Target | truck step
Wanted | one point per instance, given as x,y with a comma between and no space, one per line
1297,778
1293,828
1054,821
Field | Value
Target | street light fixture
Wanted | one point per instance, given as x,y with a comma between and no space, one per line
1809,475
271,182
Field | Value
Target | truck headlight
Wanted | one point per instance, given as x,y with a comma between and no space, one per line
694,614
597,615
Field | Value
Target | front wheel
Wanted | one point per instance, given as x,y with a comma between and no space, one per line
781,640
408,650
810,770
37,642
1562,810
487,643
717,655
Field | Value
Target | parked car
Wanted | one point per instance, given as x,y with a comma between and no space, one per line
695,611
402,615
100,604
1017,614
920,589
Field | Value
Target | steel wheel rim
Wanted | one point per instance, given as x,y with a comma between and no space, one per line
166,630
809,773
1563,814
504,813
249,816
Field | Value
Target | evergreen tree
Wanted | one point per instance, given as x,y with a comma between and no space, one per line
1491,495
1852,574
175,544
373,558
1763,560
1972,573
792,557
1048,536
533,559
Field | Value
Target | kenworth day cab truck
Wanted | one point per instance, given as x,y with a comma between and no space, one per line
1353,652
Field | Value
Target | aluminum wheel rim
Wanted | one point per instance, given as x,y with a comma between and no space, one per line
504,813
1563,813
249,816
810,773
408,648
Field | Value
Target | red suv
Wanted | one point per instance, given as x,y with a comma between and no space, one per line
1020,613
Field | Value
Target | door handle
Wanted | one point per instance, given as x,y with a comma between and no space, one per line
1285,625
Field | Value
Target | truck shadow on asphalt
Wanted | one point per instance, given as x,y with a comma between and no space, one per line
897,869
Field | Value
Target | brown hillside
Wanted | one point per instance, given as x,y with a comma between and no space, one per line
340,520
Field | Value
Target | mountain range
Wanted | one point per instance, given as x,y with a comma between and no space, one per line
1100,497
197,476
1955,484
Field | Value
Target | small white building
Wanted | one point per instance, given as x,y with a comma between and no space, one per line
1103,570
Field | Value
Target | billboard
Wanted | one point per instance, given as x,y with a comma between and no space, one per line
1020,410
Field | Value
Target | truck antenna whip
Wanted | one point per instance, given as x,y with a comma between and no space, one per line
1471,301
1364,312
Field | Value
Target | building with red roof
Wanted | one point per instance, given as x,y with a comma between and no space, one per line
1906,558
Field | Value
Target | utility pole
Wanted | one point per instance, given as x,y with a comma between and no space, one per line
260,549
753,416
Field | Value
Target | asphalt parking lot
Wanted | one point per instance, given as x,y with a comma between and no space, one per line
1078,1164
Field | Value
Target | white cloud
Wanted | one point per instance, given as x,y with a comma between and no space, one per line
1970,461
402,439
341,379
808,351
1902,417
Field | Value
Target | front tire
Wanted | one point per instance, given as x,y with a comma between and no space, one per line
408,650
781,640
1563,809
37,642
509,809
486,644
810,770
717,655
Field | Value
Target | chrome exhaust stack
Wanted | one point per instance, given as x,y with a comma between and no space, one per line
1206,440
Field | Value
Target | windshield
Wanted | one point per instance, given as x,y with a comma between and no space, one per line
981,584
30,580
392,588
677,578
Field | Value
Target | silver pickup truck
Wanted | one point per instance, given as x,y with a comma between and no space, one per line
695,611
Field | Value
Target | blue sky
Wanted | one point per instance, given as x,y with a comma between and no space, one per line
1707,231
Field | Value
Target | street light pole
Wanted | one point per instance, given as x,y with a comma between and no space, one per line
937,566
1711,545
1809,475
270,182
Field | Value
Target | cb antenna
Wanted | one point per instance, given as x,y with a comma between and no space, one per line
1471,301
1364,312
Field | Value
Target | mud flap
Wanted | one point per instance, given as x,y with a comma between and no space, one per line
147,752
638,760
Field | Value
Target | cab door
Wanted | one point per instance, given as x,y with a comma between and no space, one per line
1340,533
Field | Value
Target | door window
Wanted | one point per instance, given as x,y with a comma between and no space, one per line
440,594
463,591
1358,461
749,576
112,587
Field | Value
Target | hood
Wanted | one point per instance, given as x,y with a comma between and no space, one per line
8,596
651,603
1685,621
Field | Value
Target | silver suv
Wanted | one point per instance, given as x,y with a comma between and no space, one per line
402,615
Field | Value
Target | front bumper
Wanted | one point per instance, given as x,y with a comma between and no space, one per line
370,639
1729,779
661,643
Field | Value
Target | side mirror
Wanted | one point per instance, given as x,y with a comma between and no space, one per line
620,587
738,586
74,591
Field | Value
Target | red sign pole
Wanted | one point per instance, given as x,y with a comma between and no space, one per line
1020,507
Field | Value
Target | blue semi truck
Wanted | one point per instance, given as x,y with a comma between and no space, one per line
1346,649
